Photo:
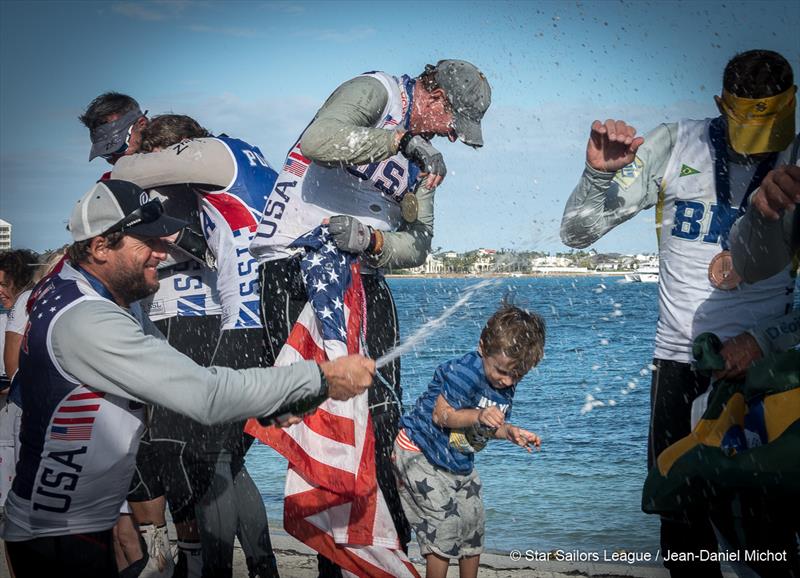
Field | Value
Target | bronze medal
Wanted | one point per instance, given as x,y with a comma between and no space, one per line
409,207
721,273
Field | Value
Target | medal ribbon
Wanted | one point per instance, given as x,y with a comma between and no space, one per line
722,182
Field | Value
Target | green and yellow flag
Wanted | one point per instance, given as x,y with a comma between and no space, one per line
748,438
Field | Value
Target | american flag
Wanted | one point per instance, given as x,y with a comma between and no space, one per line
332,500
296,163
73,420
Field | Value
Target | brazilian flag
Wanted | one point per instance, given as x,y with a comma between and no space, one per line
747,440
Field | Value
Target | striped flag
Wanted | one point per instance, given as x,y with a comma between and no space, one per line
296,163
74,418
332,501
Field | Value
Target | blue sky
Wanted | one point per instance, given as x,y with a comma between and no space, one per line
259,71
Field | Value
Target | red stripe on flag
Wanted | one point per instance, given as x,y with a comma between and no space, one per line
334,427
323,474
298,157
78,408
354,300
323,543
302,341
72,420
366,504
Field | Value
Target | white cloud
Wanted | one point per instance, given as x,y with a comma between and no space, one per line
156,10
337,36
284,7
224,30
138,11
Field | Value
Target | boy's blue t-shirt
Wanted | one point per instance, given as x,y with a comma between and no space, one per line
463,385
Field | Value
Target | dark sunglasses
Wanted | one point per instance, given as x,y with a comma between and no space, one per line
147,213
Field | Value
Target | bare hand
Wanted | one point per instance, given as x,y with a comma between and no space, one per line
739,354
779,191
348,376
612,145
491,416
523,438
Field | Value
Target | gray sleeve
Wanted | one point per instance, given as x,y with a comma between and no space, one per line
778,334
602,200
410,244
202,161
343,131
103,346
760,247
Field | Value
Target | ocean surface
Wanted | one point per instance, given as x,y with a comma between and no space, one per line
583,489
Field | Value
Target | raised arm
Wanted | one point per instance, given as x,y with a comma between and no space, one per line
622,177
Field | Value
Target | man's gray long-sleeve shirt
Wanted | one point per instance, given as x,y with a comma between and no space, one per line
603,200
343,133
102,345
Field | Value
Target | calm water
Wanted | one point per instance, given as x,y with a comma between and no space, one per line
583,489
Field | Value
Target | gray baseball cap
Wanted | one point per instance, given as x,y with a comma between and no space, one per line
112,137
116,205
469,94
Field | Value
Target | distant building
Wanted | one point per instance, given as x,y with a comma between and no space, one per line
432,266
550,262
484,261
5,235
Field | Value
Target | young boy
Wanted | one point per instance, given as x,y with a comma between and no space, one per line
466,404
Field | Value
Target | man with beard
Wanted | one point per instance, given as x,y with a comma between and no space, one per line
221,180
359,164
115,122
86,367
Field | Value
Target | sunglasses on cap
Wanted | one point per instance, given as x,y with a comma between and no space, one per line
121,150
124,146
147,213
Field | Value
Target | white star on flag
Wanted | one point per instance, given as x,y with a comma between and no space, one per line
320,286
315,260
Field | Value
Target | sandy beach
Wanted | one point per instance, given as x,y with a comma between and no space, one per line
296,560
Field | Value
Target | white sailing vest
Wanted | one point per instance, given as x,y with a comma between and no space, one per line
688,304
306,192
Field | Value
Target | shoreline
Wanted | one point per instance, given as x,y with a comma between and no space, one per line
533,274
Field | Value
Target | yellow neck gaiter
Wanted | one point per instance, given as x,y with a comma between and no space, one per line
760,125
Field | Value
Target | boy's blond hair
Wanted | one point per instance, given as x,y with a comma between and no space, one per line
516,333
